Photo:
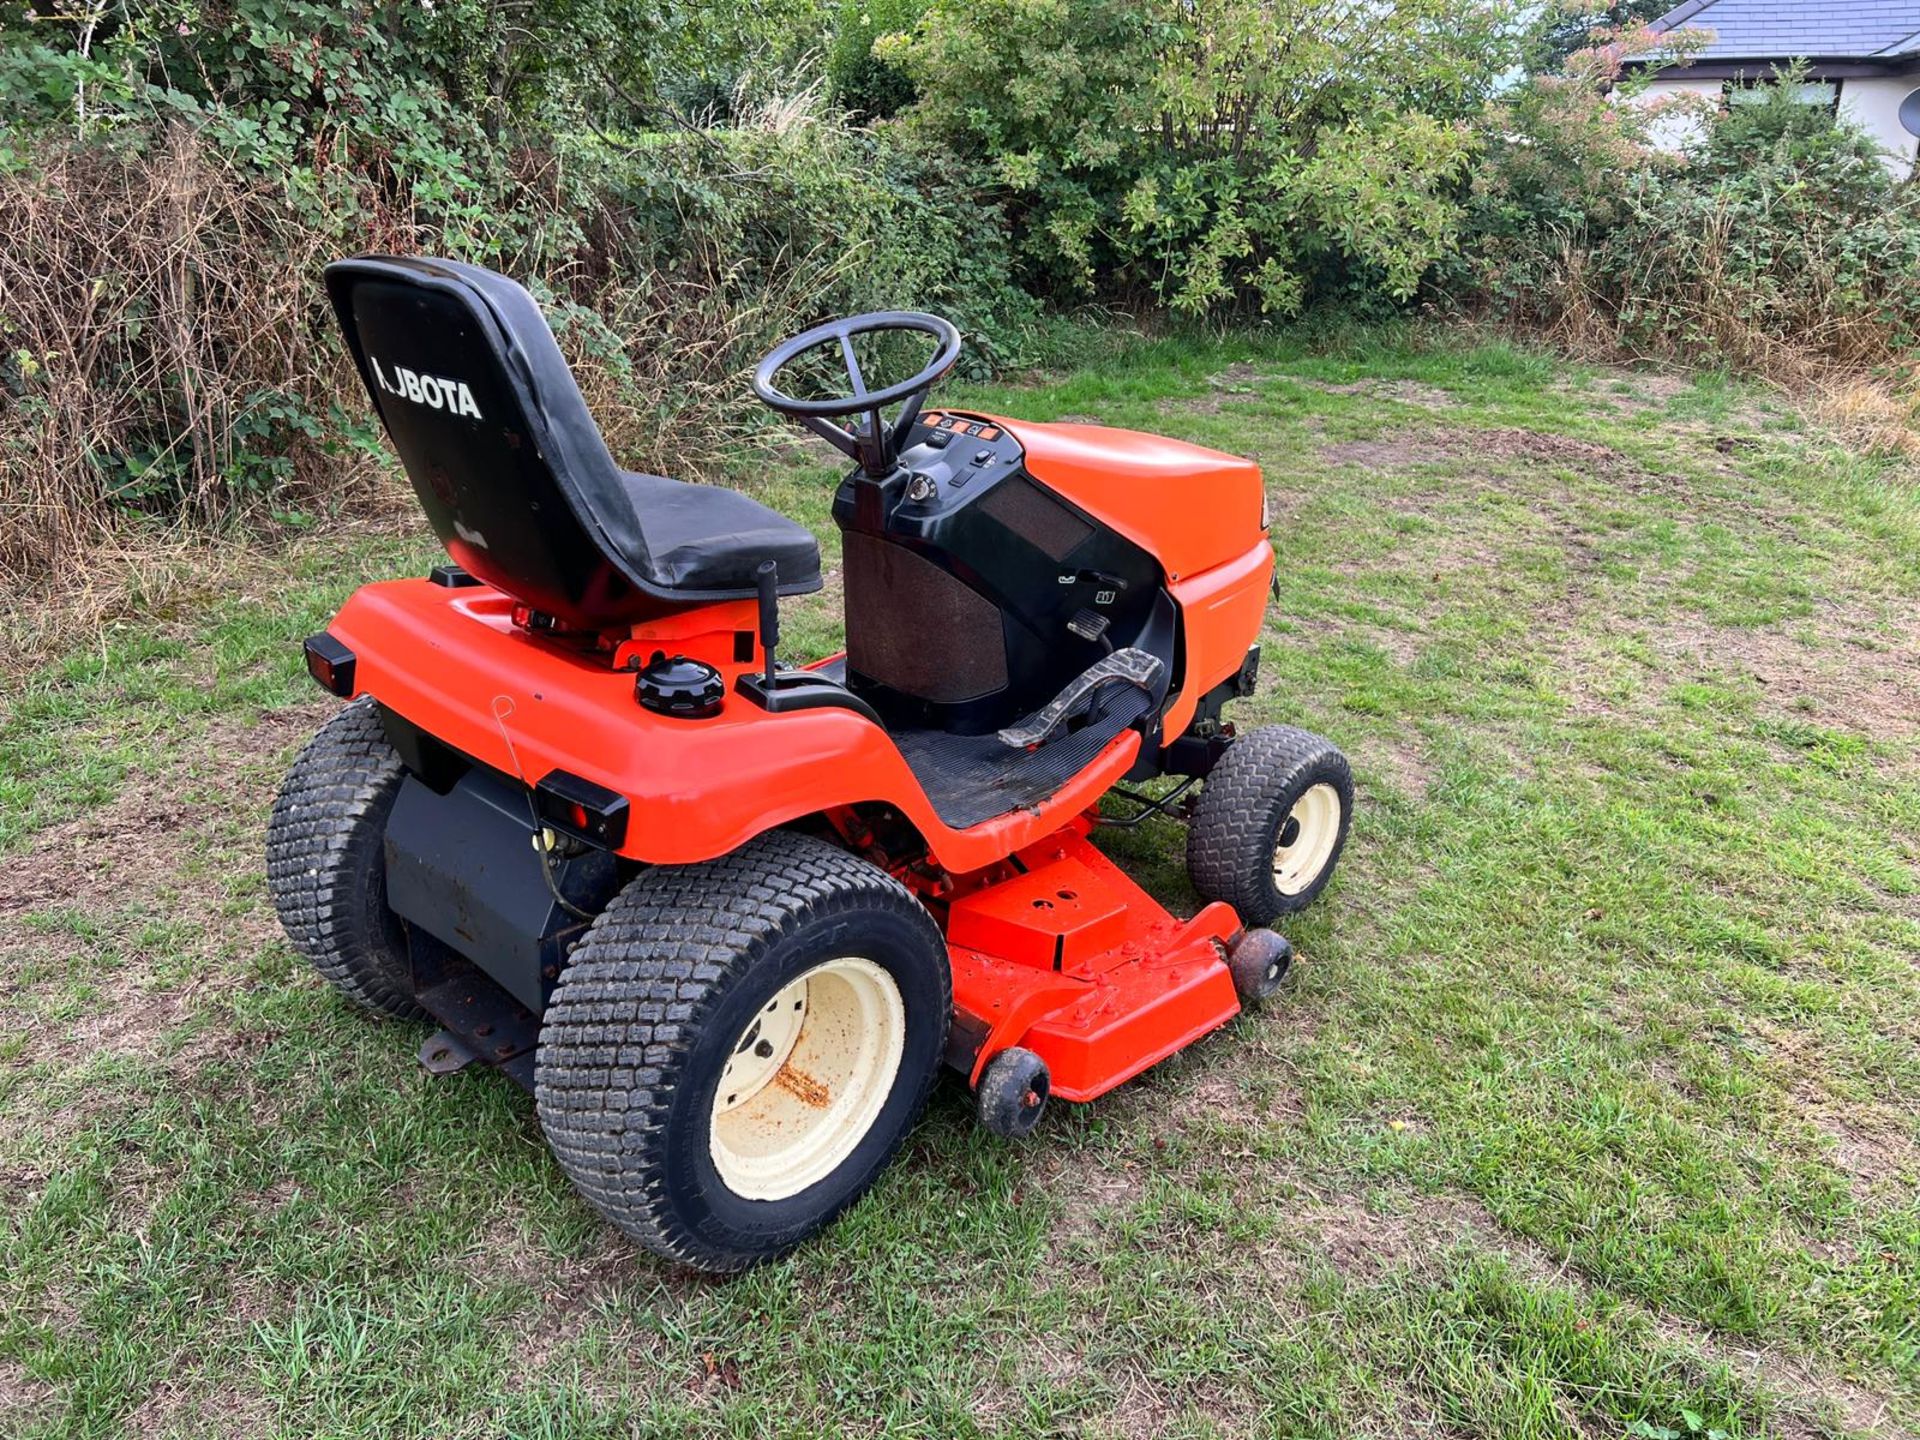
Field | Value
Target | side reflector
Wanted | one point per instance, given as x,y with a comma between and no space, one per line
582,809
331,663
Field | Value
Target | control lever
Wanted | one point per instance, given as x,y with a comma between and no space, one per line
766,578
794,689
1125,667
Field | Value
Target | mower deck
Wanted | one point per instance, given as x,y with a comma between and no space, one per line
1065,956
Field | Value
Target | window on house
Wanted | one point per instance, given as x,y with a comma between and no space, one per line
1824,93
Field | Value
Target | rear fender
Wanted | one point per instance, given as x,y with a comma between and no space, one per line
452,662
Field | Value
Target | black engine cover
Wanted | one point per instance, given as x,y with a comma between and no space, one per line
962,574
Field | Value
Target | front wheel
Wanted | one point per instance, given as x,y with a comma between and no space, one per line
1271,822
737,1048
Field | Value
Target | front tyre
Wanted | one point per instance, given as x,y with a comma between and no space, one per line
1271,822
737,1048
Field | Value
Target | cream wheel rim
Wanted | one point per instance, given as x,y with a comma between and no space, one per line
1308,833
807,1078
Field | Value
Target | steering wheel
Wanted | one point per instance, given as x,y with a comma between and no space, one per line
876,445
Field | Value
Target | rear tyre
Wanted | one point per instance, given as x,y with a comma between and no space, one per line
737,1048
1271,823
326,862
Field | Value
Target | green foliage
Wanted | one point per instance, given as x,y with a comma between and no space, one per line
671,181
1220,154
854,219
866,85
1569,27
1776,229
194,166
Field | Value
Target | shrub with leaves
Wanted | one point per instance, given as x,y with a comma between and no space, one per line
171,191
870,86
1775,235
1213,153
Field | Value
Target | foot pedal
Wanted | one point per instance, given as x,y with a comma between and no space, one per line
1089,625
1122,667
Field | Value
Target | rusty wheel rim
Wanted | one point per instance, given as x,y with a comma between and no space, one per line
806,1079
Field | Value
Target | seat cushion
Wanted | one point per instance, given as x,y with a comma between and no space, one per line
703,537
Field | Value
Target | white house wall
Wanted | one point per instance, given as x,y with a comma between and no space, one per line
1677,130
1872,103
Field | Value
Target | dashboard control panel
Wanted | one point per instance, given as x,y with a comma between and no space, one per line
947,452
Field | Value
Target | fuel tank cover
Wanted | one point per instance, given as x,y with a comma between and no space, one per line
678,686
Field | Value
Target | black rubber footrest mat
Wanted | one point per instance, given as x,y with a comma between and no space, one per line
970,778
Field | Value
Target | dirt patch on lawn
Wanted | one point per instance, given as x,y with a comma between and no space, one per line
172,1409
1365,1244
1807,1391
1087,1192
1840,669
24,1399
1840,683
1429,444
1626,392
79,862
1875,1145
573,1293
120,904
1239,376
1400,392
130,849
1239,384
1402,763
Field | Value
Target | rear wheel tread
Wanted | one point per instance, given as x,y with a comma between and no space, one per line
326,868
639,990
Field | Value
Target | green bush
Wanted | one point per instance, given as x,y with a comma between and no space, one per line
1784,232
866,85
849,219
1776,234
166,343
1210,153
174,174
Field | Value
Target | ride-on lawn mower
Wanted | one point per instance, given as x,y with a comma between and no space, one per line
728,917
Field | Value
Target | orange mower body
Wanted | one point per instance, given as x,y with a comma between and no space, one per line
580,813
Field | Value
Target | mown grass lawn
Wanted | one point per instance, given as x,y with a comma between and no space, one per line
1595,1110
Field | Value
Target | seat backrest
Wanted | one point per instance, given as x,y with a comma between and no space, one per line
477,399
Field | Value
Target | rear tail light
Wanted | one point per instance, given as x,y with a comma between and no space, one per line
330,663
582,809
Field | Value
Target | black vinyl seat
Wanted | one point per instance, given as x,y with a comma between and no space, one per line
704,538
511,469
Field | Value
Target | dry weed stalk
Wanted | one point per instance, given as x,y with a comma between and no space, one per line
152,307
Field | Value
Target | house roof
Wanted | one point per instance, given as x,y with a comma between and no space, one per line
1864,30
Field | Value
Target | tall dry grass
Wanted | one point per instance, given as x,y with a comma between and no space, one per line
168,362
150,305
1615,306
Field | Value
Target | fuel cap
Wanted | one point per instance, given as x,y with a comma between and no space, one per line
685,689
